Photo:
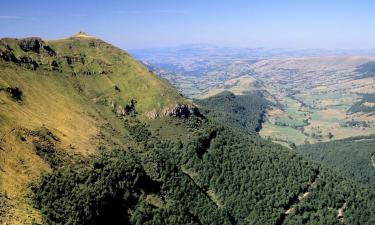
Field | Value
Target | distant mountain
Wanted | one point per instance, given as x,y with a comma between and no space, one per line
210,52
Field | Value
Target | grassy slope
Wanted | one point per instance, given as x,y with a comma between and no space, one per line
74,108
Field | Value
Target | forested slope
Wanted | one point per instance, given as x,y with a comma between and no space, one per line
219,177
244,112
351,157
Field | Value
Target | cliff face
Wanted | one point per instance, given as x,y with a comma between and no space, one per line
176,110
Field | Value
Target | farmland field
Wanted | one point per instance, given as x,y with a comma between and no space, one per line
315,98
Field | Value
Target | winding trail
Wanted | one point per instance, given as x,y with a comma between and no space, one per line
293,202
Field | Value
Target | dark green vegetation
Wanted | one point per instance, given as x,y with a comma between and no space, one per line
219,177
99,194
350,157
362,107
244,112
331,195
366,70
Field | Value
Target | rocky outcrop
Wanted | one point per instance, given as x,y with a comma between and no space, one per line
153,114
14,92
128,109
28,62
8,56
176,110
35,44
36,54
31,44
181,110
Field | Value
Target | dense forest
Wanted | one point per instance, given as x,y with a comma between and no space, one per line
351,157
221,176
244,112
366,70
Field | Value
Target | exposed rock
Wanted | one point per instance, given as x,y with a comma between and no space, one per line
120,110
126,110
74,59
55,65
49,50
9,57
35,44
29,62
153,114
31,44
117,88
14,92
181,110
176,110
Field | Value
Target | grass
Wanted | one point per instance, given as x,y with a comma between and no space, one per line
282,133
327,107
75,108
238,86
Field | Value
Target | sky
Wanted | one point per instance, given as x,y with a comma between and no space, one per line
134,24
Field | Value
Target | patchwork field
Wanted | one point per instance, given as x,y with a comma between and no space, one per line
315,104
316,99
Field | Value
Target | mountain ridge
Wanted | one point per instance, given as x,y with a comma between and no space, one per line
76,147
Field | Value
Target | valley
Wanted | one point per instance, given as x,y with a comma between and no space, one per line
316,98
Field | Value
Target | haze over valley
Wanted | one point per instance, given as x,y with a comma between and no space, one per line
319,95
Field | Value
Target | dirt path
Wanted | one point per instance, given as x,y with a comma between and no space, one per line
340,212
364,139
300,198
296,200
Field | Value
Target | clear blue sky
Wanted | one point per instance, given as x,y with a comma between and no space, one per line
158,23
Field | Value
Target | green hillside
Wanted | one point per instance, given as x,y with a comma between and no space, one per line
73,90
244,112
90,136
353,157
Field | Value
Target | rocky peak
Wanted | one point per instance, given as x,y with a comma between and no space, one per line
31,44
82,34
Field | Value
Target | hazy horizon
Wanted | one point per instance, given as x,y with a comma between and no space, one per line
150,24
